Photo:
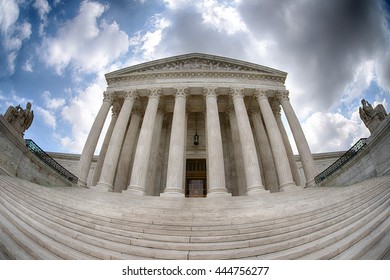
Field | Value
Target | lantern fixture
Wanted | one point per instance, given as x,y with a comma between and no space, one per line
196,136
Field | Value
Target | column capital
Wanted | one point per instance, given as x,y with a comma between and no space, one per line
236,92
131,94
210,91
261,93
282,95
155,93
181,92
107,96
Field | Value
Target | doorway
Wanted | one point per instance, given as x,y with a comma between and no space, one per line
196,178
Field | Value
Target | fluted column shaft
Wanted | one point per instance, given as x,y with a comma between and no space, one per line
103,150
215,166
267,160
287,145
300,139
92,139
175,172
251,164
122,174
277,145
142,154
240,172
110,164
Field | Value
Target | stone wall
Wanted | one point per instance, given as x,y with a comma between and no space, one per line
17,160
372,161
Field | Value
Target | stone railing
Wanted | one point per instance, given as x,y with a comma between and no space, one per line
352,152
32,146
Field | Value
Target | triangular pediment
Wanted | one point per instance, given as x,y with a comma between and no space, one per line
194,62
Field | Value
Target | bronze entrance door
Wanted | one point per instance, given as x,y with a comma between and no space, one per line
196,178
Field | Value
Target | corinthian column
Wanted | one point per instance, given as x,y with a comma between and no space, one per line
175,172
254,184
276,141
267,160
92,139
107,175
300,139
215,167
287,145
103,150
122,174
142,154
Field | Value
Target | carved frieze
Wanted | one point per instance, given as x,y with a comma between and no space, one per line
198,64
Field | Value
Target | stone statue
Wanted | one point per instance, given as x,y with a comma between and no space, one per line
19,118
372,117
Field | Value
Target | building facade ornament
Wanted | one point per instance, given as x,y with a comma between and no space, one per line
372,117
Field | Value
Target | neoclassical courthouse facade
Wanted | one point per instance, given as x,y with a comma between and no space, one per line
196,125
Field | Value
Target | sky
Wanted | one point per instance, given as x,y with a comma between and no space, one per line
54,54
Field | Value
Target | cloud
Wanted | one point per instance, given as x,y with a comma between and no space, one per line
13,33
48,117
333,132
221,16
145,43
28,66
9,11
80,113
84,43
320,45
53,103
43,8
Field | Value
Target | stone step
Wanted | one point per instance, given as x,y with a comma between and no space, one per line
9,242
380,250
349,246
141,227
36,251
24,228
366,242
37,211
3,255
300,246
148,210
77,242
334,243
116,238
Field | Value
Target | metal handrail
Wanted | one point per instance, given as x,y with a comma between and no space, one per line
352,152
32,146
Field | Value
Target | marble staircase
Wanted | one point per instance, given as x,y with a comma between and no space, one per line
39,222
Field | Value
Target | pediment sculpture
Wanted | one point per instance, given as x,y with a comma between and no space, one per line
372,117
20,119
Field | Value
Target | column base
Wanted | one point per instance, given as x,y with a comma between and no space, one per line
292,189
102,187
311,183
134,190
287,186
256,190
171,192
220,192
81,184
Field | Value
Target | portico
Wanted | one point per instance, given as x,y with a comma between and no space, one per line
232,106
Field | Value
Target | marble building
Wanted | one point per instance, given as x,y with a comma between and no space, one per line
196,125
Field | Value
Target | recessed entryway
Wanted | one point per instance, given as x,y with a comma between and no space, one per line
196,178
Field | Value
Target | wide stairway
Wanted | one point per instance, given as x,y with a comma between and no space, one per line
74,223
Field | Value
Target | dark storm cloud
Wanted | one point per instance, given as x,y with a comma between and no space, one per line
188,34
321,42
